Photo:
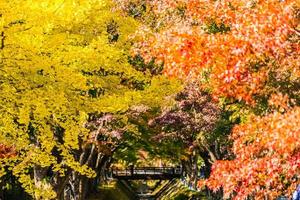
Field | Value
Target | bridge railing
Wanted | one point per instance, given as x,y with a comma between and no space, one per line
147,171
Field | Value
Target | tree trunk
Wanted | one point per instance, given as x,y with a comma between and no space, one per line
190,168
2,40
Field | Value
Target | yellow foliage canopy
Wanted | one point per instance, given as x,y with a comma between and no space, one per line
58,63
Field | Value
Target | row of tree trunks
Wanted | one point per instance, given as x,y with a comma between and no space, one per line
74,186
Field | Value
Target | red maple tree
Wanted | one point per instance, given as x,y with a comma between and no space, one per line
225,38
267,162
240,49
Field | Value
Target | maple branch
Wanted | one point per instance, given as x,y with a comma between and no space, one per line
211,154
297,31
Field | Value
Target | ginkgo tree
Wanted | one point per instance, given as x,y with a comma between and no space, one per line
247,54
64,64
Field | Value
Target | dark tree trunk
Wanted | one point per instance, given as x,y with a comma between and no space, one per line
2,40
190,168
209,157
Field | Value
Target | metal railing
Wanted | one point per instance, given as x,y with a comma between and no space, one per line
147,171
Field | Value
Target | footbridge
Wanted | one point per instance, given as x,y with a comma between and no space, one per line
147,173
165,178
